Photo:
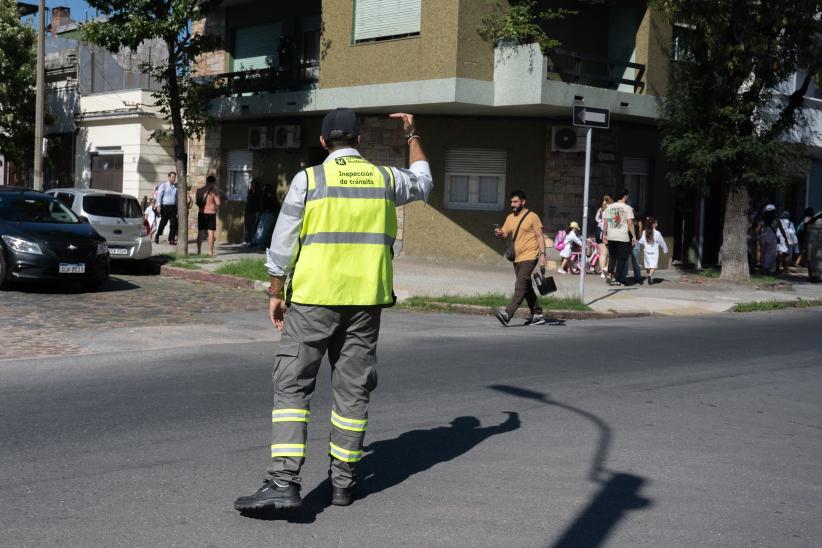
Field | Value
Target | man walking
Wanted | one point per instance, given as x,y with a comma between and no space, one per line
333,240
524,227
620,236
167,198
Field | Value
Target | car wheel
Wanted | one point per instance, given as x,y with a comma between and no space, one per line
4,283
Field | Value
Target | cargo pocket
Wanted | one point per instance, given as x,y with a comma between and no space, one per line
284,359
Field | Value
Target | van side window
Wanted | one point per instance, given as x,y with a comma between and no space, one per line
67,199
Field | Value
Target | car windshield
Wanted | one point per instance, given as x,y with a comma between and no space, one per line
35,209
112,206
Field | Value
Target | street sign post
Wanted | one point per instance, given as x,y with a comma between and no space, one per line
591,118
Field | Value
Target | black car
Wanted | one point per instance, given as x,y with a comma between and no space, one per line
42,239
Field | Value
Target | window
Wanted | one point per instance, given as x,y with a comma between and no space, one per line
635,179
376,20
66,198
681,37
108,205
311,29
239,164
256,47
475,178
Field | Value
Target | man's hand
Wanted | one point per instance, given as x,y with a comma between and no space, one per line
276,312
542,259
407,121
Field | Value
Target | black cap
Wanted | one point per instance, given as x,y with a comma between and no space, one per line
340,124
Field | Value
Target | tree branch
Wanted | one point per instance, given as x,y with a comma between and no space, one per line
795,102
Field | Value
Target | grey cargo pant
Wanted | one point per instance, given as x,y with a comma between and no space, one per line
349,336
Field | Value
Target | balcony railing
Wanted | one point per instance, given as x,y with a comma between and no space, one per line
270,80
593,70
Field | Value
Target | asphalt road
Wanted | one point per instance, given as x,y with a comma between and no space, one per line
674,432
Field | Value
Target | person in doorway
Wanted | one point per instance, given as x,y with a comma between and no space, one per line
524,227
619,235
600,230
252,211
208,201
651,243
333,240
572,243
167,200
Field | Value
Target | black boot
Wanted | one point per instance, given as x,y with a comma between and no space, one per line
270,496
342,496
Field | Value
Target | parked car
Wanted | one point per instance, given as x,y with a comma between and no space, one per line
41,239
117,217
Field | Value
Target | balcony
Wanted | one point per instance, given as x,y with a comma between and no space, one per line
593,70
303,77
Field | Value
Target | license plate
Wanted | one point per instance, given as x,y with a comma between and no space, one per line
72,268
118,251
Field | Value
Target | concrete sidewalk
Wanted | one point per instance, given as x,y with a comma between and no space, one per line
675,294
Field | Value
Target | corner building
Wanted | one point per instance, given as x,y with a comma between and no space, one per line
494,117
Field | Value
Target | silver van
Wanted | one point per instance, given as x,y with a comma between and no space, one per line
115,216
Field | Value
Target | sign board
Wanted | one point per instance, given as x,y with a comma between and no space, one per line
592,117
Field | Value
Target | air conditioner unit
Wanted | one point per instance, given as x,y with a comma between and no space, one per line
286,136
259,137
567,139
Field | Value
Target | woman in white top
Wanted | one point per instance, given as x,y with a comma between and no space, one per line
571,239
651,242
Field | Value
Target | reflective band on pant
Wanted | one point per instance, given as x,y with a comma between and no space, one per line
344,423
343,454
287,450
290,415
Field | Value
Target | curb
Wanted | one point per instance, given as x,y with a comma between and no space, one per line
476,310
553,314
206,276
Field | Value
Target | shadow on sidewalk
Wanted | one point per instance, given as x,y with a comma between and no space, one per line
619,493
611,293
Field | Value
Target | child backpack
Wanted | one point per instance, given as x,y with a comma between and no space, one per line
559,241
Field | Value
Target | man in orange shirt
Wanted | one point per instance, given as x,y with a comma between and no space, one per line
525,227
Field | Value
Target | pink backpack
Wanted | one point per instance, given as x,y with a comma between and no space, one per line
559,241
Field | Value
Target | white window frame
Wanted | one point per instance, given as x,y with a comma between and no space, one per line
461,166
474,191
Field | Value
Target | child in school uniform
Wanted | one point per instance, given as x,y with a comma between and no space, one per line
571,239
651,242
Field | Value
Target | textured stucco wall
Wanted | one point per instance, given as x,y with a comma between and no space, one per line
432,54
447,234
653,49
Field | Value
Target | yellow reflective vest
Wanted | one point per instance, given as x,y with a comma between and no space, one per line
348,231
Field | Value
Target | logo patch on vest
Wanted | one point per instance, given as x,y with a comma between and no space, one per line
340,161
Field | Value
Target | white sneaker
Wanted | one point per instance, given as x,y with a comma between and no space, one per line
561,271
602,275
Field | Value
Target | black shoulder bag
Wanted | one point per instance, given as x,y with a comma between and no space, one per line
510,252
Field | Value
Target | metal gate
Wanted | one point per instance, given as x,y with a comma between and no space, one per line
107,172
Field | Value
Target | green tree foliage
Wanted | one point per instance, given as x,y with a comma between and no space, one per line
18,67
723,119
183,102
520,23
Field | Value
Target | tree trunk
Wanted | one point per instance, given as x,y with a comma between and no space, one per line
180,158
735,236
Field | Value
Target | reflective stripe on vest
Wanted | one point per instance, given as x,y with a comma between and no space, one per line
349,228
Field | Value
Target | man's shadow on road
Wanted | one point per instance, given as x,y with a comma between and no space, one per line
390,462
